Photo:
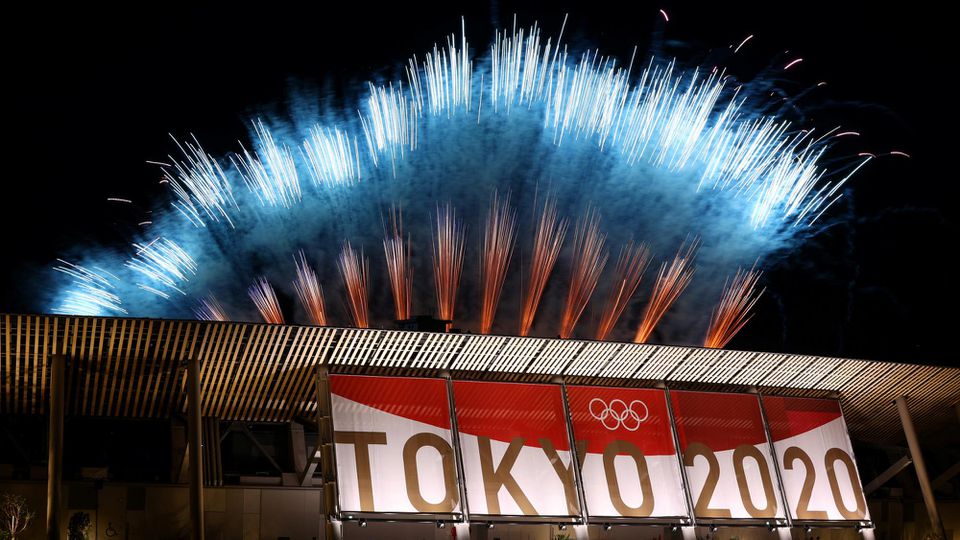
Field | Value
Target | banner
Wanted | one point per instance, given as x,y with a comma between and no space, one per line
629,464
515,448
726,455
816,459
393,445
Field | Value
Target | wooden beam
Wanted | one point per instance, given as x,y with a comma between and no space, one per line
886,475
244,429
946,476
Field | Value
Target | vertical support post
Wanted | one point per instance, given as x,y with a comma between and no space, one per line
920,467
332,526
575,464
55,445
462,529
781,492
688,532
195,440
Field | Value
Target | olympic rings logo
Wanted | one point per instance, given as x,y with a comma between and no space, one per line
618,414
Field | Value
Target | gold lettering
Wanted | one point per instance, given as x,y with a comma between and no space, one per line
361,441
410,449
498,477
834,455
613,484
739,455
702,507
793,454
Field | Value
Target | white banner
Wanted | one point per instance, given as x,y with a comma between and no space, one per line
393,445
813,449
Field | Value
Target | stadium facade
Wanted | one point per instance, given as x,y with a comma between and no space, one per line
175,429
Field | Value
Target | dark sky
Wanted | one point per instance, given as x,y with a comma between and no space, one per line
97,89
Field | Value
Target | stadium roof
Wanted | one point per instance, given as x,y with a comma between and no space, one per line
258,372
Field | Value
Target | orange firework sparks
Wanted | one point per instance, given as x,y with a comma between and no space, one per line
210,309
631,265
353,271
733,312
262,294
547,241
589,258
309,291
498,242
448,247
671,282
397,251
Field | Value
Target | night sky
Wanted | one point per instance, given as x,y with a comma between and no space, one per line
97,89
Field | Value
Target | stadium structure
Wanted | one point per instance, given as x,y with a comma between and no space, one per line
193,429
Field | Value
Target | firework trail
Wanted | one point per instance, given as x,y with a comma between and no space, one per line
733,312
497,250
264,297
671,282
271,173
631,264
589,258
209,309
449,240
92,292
332,157
547,241
309,291
164,264
199,185
396,249
354,272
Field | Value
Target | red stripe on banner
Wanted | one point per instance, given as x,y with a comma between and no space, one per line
790,416
421,400
720,421
505,411
602,415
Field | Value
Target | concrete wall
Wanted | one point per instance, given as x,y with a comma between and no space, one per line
131,512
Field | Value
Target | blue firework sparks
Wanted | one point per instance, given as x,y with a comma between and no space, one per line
661,152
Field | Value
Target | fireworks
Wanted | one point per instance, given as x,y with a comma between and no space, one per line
92,293
547,241
671,282
309,291
209,309
497,250
589,258
264,297
199,184
644,140
448,248
396,249
332,156
164,264
631,264
271,173
733,312
354,272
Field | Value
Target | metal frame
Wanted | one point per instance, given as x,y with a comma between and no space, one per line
684,481
574,459
776,463
457,451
